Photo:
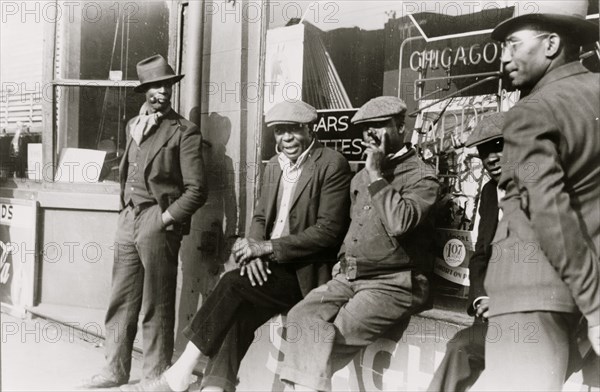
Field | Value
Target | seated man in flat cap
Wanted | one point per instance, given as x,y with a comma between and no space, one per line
380,278
297,228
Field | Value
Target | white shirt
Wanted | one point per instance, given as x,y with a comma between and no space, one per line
289,178
501,193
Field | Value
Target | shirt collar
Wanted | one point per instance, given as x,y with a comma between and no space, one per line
405,149
284,161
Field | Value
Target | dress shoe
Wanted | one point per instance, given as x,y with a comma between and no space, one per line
159,384
100,381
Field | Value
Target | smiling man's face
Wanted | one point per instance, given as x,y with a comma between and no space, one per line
292,139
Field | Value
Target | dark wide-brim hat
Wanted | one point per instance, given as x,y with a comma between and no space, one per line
566,15
487,129
154,69
291,112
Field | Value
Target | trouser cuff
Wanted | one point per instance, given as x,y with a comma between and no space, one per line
196,340
215,381
291,375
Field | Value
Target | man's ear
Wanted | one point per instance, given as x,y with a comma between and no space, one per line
553,45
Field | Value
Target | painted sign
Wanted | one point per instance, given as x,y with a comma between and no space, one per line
403,359
18,221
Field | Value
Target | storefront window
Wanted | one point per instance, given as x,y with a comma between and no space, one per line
96,56
21,40
91,117
338,55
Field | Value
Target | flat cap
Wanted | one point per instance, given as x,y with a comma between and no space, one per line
291,112
487,129
379,109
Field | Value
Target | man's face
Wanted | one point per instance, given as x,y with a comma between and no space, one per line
387,129
158,95
490,154
292,139
524,57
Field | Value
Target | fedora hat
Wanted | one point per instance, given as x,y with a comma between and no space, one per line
154,69
568,15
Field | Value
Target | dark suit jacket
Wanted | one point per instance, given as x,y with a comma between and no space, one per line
173,169
488,221
318,217
549,237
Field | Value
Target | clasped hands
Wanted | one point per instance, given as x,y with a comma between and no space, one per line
248,254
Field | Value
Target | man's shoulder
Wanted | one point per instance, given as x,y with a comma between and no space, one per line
329,155
573,81
414,163
185,125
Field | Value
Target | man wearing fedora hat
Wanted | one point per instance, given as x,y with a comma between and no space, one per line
162,185
297,227
546,274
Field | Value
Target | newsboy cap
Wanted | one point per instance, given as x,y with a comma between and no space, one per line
379,109
291,112
486,130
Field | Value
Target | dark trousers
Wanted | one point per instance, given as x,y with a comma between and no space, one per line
144,279
464,360
223,328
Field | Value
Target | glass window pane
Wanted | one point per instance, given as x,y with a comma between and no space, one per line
95,118
103,36
21,41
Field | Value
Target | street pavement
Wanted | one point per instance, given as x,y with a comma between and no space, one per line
42,355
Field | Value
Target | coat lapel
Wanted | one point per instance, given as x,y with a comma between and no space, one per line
307,172
274,176
165,131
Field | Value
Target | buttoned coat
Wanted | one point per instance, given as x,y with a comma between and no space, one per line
546,245
488,222
173,168
318,215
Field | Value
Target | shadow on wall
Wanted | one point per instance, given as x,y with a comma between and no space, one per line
207,247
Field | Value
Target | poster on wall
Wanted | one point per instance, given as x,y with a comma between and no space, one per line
283,65
454,249
18,227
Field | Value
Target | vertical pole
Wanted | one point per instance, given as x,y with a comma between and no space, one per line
193,93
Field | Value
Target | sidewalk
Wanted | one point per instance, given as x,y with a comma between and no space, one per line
40,355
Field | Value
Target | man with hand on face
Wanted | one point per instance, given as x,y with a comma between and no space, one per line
547,273
162,185
464,359
296,230
380,278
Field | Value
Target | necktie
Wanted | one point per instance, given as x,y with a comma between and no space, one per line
144,123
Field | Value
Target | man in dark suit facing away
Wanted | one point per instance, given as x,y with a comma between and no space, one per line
162,185
464,359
